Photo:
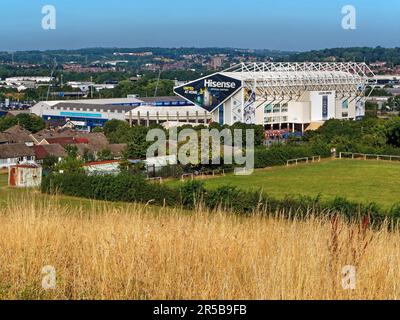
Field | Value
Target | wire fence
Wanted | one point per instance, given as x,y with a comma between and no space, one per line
312,159
366,156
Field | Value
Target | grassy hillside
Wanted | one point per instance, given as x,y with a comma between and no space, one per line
103,250
139,252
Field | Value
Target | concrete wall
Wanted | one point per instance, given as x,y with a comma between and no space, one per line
25,177
316,99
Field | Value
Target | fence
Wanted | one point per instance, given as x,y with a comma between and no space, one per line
304,160
366,156
205,174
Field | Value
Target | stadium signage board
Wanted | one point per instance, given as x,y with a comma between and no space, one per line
210,92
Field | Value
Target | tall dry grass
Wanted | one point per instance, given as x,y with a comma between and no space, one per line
139,252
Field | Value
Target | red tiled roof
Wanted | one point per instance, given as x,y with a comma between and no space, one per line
64,141
81,140
42,151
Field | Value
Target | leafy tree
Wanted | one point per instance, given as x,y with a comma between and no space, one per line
70,165
7,122
29,122
88,156
72,151
393,133
115,131
105,154
50,163
137,144
97,130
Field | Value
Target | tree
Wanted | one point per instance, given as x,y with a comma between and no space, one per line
135,137
7,122
393,133
50,163
29,122
72,151
97,130
105,154
70,165
115,131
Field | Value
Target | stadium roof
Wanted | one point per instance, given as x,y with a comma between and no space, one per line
279,80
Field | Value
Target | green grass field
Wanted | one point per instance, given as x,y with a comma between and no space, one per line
358,180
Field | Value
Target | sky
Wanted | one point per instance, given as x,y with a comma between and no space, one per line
297,25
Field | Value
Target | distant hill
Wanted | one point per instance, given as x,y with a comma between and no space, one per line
359,54
101,54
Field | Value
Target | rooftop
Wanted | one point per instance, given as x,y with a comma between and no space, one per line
46,150
15,150
83,106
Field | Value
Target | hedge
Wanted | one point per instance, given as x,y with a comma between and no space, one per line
122,187
129,188
278,155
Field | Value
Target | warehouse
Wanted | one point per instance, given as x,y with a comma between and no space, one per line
291,96
90,113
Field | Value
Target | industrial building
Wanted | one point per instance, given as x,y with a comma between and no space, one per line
89,113
293,96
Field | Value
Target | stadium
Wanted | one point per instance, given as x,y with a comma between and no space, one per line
293,96
289,96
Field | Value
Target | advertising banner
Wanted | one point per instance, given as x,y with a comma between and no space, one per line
360,109
324,107
210,92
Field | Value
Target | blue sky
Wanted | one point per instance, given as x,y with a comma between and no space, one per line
270,24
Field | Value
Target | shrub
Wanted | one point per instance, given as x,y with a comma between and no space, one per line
192,192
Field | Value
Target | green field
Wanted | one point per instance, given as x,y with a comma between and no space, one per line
358,180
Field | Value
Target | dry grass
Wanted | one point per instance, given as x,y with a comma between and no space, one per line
137,252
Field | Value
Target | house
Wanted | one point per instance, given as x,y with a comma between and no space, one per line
25,176
16,153
16,134
46,150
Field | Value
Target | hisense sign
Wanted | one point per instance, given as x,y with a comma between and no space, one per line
210,92
219,84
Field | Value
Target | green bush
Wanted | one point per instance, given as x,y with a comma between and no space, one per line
122,187
192,193
278,155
